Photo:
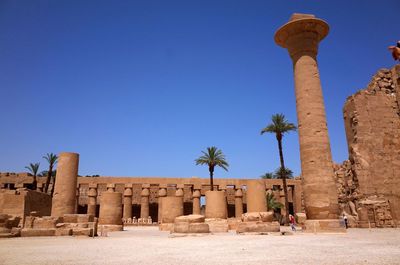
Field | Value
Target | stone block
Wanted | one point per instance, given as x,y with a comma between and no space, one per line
45,222
70,218
198,228
258,227
266,216
4,230
181,228
192,218
82,232
63,232
16,231
324,226
301,218
84,218
233,223
218,226
29,232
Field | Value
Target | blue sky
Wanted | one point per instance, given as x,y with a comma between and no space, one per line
139,88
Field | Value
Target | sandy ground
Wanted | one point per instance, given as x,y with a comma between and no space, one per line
149,246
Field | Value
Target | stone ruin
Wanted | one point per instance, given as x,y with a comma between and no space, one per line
369,182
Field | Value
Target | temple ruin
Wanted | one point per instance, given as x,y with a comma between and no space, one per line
366,187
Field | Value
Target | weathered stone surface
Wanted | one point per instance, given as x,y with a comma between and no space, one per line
301,36
216,204
63,232
258,216
171,207
256,196
301,218
198,228
191,228
110,208
324,226
218,225
82,232
192,218
181,227
257,227
371,174
64,198
45,222
29,232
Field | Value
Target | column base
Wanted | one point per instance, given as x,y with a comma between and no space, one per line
110,228
324,226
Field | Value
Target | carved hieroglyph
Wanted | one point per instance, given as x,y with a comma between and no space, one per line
301,36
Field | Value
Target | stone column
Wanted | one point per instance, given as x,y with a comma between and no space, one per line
111,210
256,196
64,197
128,202
301,36
216,205
92,204
162,192
144,202
238,203
196,201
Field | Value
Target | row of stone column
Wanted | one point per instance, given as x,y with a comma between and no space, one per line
144,202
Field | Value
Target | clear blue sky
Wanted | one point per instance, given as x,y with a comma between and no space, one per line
139,88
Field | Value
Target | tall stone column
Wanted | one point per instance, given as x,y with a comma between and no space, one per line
256,196
128,202
110,216
196,202
92,204
301,36
64,198
144,202
238,203
162,192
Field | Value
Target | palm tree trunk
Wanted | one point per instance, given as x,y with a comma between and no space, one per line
34,182
52,186
283,176
49,173
211,178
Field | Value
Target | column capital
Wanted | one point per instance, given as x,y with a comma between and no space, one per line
302,34
145,192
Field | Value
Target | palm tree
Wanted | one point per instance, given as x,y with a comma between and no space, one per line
272,204
278,174
268,175
279,127
52,160
33,169
213,157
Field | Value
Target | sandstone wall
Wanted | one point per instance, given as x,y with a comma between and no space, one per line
22,202
372,123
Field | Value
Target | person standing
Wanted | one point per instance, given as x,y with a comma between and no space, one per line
292,222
